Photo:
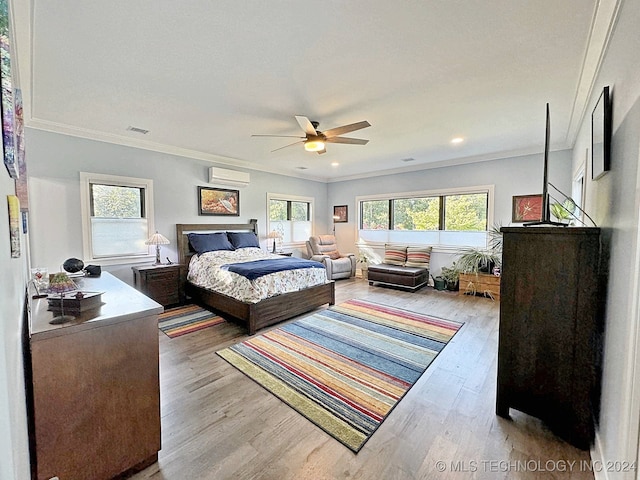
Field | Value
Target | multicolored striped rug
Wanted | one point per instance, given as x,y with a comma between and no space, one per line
189,318
344,368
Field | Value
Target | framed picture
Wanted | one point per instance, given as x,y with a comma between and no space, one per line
526,208
601,136
218,201
21,181
340,214
6,102
14,225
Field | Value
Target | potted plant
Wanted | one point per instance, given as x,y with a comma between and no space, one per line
475,260
363,259
451,276
563,211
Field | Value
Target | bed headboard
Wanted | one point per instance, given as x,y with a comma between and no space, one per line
183,229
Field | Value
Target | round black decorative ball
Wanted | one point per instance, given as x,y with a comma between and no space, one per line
73,265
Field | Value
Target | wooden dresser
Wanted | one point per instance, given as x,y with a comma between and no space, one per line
480,284
550,339
93,385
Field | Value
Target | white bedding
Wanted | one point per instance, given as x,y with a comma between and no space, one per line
204,271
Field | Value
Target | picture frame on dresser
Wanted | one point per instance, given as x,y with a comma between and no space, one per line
526,208
601,136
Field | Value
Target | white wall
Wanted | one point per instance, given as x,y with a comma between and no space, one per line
13,420
55,162
614,201
510,176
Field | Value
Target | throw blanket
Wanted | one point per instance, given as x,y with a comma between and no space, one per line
259,268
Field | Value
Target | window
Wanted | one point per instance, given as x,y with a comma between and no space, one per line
117,217
467,212
446,217
291,217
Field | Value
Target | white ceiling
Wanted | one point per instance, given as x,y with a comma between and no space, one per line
203,75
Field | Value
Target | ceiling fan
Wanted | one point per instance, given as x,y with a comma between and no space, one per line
315,140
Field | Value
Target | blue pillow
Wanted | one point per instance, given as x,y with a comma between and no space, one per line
209,242
243,239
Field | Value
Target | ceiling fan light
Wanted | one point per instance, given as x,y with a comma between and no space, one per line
313,146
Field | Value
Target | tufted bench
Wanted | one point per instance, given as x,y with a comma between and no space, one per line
403,266
398,275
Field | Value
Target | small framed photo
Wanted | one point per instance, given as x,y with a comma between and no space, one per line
340,214
601,136
526,208
218,201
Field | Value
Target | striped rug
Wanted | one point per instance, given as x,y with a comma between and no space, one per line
344,368
189,318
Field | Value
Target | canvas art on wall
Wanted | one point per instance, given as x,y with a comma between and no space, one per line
14,225
218,201
340,214
6,92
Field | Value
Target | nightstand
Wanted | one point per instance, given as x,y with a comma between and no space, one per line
159,282
284,254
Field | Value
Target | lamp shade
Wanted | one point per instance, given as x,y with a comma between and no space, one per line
61,283
274,234
157,239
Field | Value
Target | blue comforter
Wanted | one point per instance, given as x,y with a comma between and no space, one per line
258,268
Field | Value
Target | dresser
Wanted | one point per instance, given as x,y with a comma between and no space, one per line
160,282
93,385
550,337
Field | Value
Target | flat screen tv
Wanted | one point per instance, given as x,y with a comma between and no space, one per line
545,217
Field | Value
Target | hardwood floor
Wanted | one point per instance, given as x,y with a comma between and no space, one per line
219,424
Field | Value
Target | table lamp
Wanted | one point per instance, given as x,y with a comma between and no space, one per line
60,283
275,235
157,239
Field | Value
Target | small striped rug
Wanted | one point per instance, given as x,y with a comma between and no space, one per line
189,318
344,368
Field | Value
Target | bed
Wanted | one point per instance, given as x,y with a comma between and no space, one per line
253,314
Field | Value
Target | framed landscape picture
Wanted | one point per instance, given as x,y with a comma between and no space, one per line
218,201
526,208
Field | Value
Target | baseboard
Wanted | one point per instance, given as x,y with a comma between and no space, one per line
597,460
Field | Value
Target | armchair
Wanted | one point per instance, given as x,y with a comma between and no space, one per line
323,249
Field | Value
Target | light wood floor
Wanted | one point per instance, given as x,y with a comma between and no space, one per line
219,424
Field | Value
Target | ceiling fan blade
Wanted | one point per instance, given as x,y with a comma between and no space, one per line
280,136
294,143
306,125
351,141
346,129
320,152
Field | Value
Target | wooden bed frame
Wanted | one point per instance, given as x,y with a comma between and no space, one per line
254,315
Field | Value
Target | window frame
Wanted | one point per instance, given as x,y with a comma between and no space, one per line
146,185
446,239
291,198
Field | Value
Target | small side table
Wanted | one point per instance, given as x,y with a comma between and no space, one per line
159,282
284,254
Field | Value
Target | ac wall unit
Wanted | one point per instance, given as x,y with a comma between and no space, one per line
233,178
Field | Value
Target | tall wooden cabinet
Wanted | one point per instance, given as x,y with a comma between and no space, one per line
550,328
93,385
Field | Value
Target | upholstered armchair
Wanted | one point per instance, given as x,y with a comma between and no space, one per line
323,249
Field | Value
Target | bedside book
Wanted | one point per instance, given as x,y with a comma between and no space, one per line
74,303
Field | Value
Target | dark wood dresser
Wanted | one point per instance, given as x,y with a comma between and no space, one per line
550,336
93,385
160,282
